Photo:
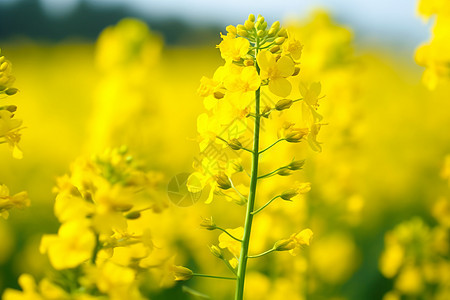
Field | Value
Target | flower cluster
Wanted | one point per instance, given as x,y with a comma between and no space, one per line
416,255
251,100
435,56
9,126
102,241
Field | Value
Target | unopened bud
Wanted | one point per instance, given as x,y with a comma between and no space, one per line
288,194
296,71
284,245
216,251
284,172
283,104
272,32
295,136
282,32
249,25
280,40
10,108
260,18
275,49
249,62
264,25
181,273
275,25
251,17
223,181
238,167
208,224
296,165
260,33
219,94
231,29
11,91
3,66
266,111
243,33
133,215
235,144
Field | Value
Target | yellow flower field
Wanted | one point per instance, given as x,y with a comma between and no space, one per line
282,162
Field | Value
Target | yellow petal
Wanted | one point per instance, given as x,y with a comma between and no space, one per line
280,87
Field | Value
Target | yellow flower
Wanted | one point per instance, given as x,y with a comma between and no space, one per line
292,47
225,241
276,71
9,131
8,202
246,80
233,49
73,245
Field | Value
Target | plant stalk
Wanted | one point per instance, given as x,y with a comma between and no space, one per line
251,198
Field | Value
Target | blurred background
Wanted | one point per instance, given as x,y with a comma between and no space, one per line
384,145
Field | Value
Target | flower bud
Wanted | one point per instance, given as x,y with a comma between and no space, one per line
11,91
208,224
260,18
284,245
288,194
231,29
275,25
223,181
264,25
275,49
243,33
249,62
10,108
296,165
219,94
284,172
133,215
237,166
295,136
266,111
282,32
260,33
251,17
3,66
216,251
235,144
182,273
280,40
249,25
283,104
272,32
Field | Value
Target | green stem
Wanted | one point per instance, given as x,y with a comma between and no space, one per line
251,196
262,151
229,266
271,173
262,207
213,276
234,238
262,254
96,249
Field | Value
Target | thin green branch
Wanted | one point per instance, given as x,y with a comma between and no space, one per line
279,140
213,276
233,237
262,207
271,173
262,254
